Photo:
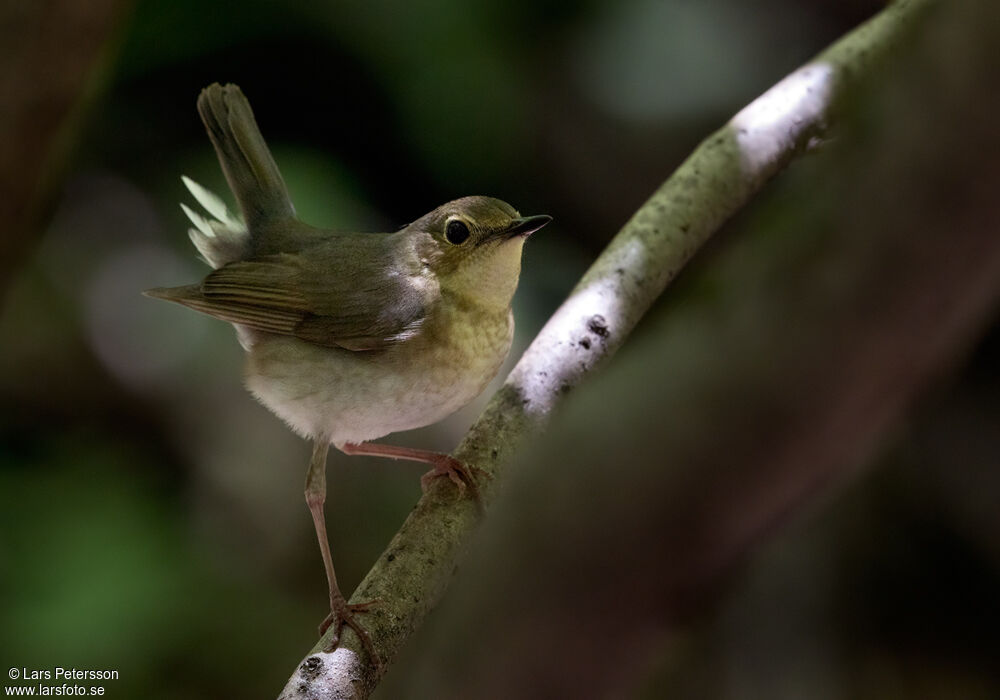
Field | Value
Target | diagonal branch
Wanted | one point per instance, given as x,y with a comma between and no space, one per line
674,483
722,175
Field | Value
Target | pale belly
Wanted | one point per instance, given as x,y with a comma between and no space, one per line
344,396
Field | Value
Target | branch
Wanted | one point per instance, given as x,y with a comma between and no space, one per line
722,175
740,409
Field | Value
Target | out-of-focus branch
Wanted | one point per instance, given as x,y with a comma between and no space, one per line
723,173
48,53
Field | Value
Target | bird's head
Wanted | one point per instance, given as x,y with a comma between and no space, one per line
473,245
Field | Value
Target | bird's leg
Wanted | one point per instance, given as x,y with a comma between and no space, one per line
341,612
442,464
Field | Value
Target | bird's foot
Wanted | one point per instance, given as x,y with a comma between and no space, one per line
460,474
444,465
342,613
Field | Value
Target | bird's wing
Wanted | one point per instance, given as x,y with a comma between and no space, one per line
333,294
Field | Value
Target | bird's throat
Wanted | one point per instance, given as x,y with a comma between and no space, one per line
488,280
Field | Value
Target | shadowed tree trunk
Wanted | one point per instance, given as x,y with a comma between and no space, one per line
49,52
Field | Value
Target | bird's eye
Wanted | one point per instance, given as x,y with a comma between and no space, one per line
456,232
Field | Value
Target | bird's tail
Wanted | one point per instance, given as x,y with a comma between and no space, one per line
221,237
246,160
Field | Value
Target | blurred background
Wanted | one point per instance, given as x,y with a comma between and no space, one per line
151,512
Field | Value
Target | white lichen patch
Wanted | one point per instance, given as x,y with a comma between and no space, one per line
335,675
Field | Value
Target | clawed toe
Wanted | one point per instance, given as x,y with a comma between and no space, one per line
342,613
460,474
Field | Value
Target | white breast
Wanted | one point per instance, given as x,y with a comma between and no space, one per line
347,396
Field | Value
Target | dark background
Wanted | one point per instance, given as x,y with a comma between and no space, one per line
151,514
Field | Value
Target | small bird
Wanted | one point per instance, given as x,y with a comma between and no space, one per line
351,336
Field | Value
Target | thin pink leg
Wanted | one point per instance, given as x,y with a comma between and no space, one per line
442,464
341,612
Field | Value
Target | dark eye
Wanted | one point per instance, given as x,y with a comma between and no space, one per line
456,232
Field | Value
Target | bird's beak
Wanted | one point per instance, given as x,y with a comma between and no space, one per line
526,225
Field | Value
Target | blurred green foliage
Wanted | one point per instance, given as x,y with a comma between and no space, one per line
151,516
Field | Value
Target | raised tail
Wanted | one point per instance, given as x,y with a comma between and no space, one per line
221,238
246,160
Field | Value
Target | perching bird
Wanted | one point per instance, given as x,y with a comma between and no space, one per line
351,336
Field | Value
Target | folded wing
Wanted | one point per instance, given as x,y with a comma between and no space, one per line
337,294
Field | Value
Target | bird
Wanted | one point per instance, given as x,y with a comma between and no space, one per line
351,336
